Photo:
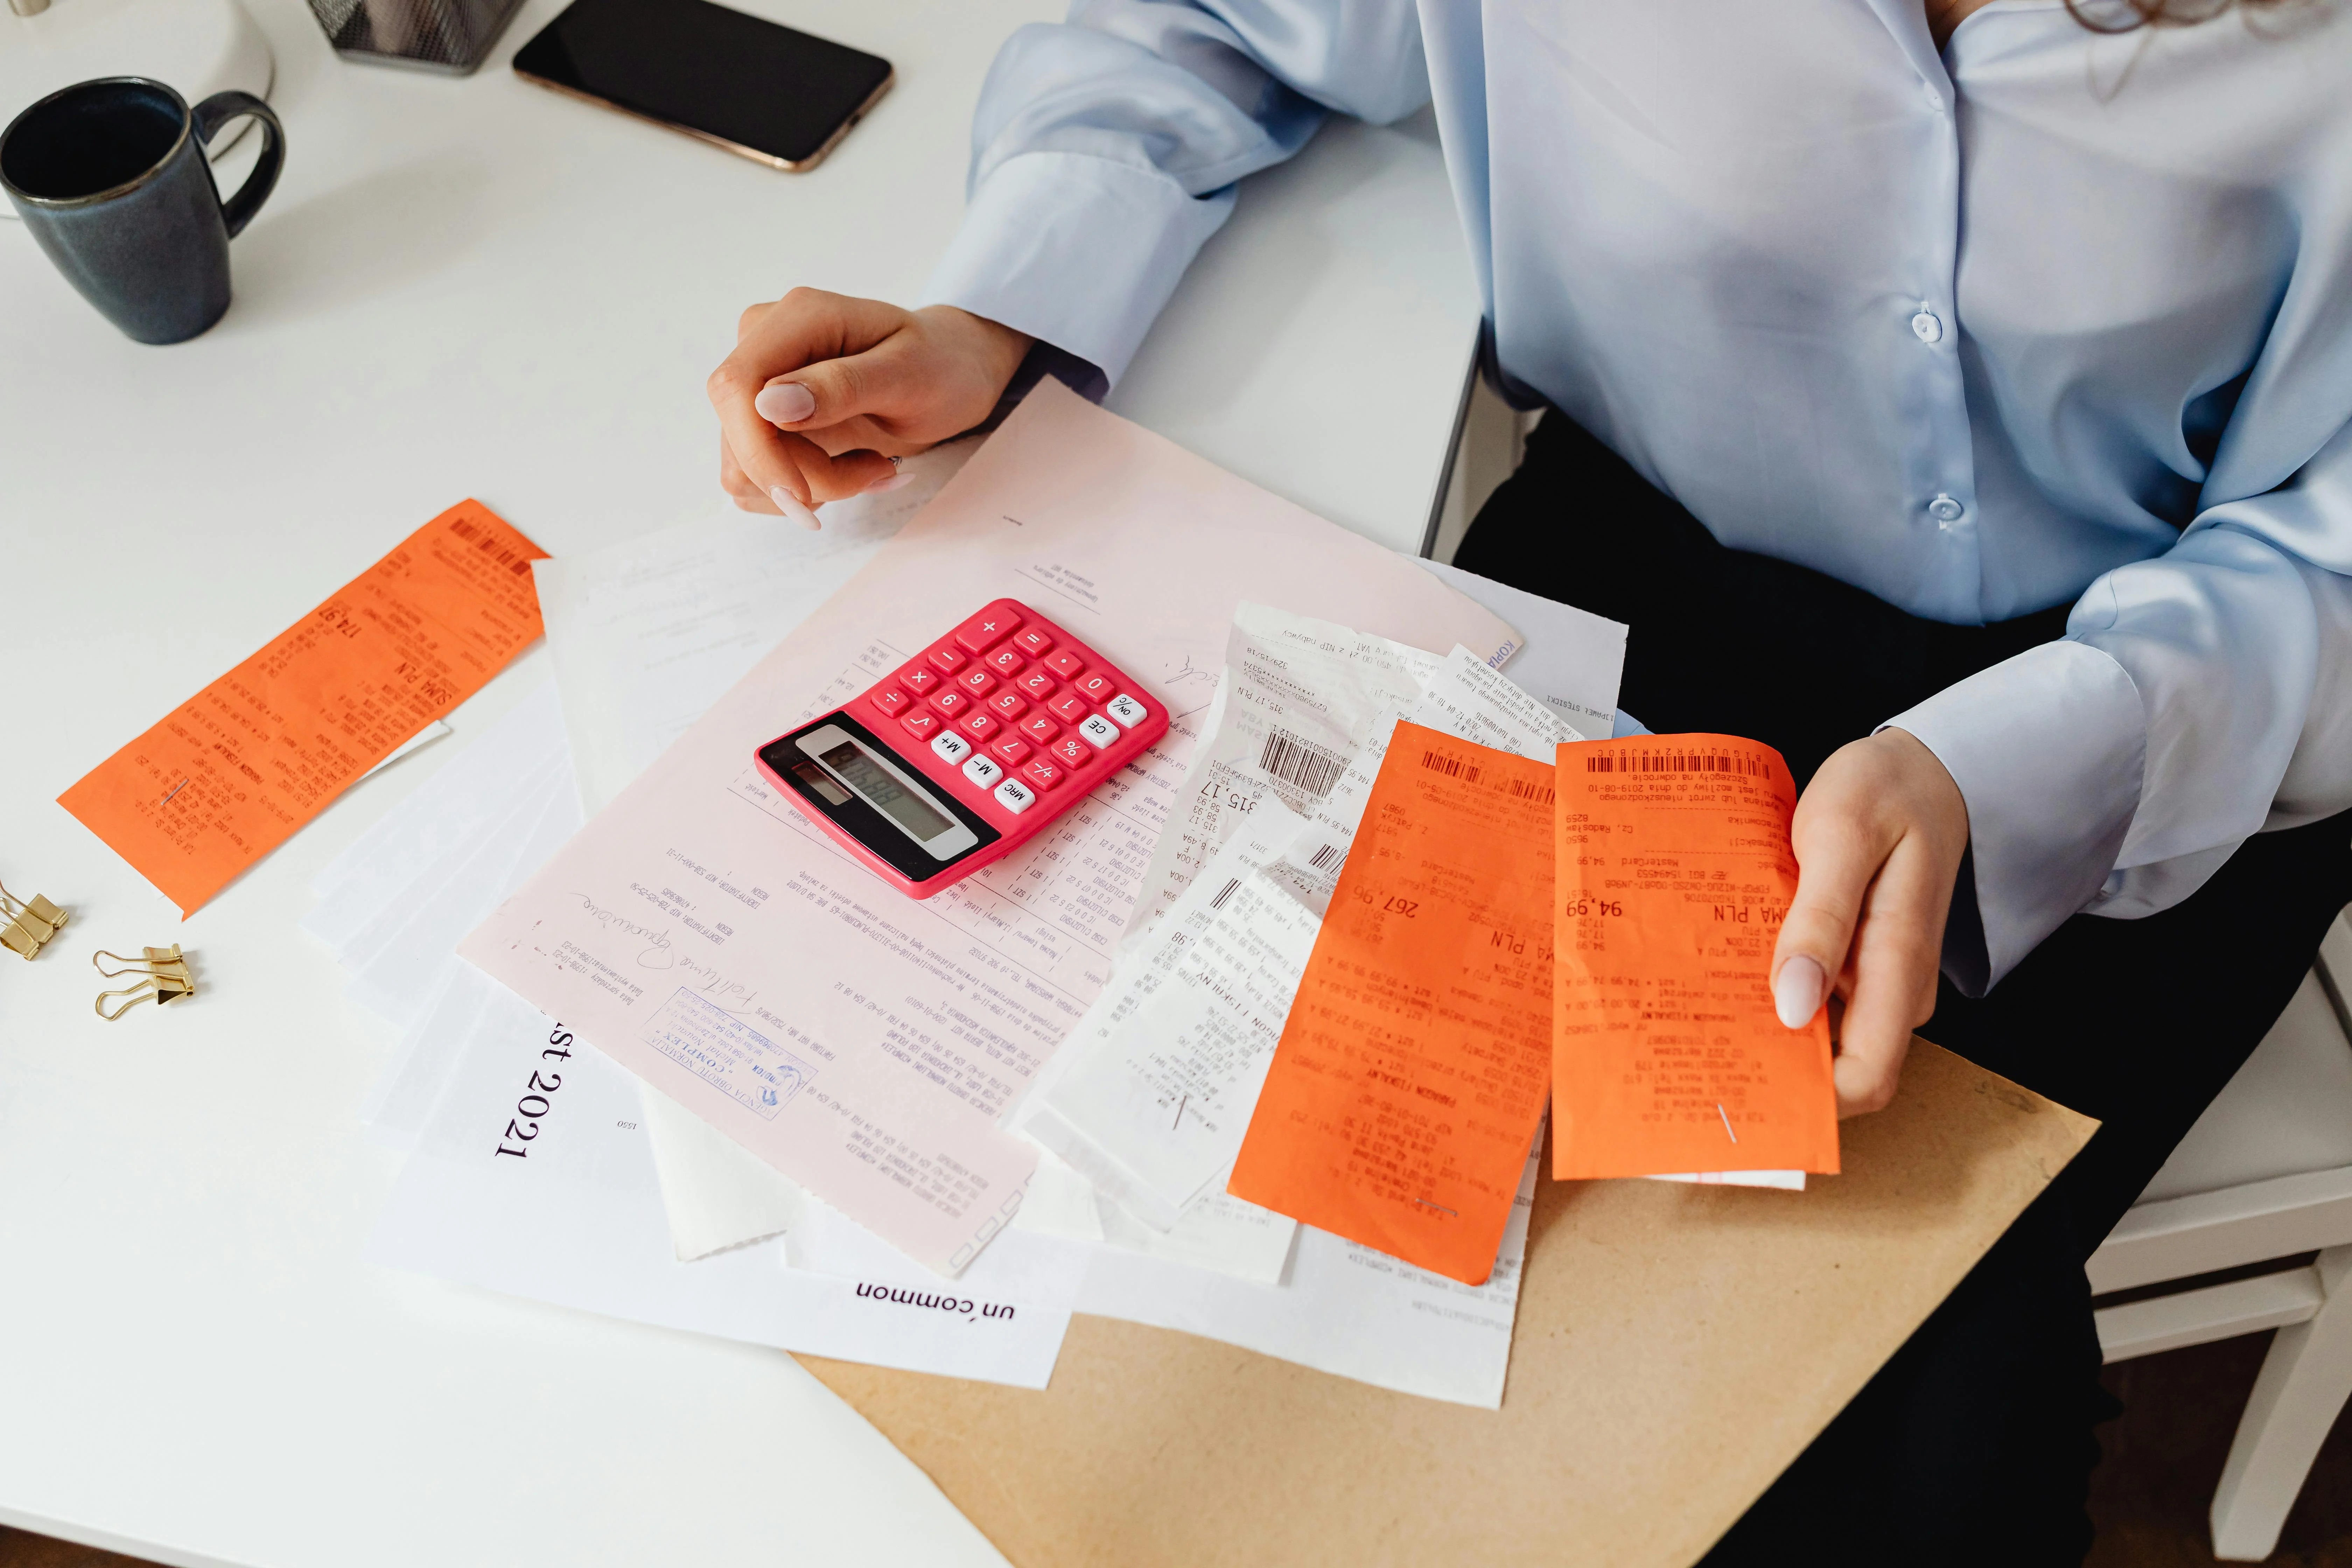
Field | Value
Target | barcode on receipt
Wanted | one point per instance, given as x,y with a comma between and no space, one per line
1301,764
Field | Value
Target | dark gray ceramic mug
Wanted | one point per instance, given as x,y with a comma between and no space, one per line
110,177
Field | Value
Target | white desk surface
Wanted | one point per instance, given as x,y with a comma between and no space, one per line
479,288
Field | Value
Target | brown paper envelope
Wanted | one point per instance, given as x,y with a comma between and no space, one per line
1677,1346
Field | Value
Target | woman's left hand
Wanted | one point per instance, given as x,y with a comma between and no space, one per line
1878,836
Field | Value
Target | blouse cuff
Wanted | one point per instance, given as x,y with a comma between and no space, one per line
1078,251
2049,750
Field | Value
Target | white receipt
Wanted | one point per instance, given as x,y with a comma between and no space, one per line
704,934
1297,699
1152,1091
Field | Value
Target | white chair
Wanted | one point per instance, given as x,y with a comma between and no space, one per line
2267,1173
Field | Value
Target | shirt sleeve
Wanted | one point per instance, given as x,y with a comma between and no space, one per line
2198,699
1105,149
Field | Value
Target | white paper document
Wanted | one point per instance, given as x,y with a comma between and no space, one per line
572,1213
704,934
1345,1309
1571,659
647,634
457,803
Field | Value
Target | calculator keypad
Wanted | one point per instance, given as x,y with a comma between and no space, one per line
1016,715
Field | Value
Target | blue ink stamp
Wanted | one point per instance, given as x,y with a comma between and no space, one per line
726,1053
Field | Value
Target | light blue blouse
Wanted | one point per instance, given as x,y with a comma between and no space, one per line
2048,317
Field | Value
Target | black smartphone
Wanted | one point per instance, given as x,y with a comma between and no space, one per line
774,95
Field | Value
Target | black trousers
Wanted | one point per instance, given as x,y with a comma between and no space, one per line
1974,1444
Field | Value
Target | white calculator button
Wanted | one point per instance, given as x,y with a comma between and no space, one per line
950,748
1099,729
1014,796
1126,710
983,771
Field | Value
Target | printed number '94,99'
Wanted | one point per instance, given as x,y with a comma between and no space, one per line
535,1103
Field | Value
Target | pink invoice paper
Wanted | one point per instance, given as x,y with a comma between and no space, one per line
705,935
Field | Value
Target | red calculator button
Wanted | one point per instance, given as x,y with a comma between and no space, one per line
921,725
1070,751
1006,661
1095,688
1007,705
918,678
1010,750
1037,684
1038,728
1069,708
1066,664
950,702
978,725
986,629
1034,643
891,701
1042,775
945,659
976,682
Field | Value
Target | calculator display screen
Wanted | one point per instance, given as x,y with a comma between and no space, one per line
884,794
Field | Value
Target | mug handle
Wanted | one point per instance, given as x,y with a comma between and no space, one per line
218,110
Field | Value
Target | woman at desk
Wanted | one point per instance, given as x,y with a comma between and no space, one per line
1957,396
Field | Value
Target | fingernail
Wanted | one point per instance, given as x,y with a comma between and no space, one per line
1797,992
791,506
786,403
888,482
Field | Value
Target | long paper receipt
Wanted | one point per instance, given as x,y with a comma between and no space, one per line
1410,1081
1674,873
230,774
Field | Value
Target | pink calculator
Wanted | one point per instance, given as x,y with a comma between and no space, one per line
964,754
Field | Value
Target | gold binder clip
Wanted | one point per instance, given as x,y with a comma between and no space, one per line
163,975
25,927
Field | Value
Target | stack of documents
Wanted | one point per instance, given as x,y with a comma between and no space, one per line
1019,1098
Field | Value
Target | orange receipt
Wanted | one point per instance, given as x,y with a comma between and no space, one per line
230,773
1406,1092
1675,874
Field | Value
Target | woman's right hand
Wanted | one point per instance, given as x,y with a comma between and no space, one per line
822,390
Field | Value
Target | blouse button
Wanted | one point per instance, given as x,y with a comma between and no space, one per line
1944,509
1927,327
